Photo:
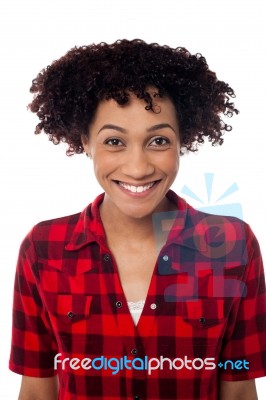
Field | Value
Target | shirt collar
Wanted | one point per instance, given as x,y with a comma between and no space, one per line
182,227
89,227
186,229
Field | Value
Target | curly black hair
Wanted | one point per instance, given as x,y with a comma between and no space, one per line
67,92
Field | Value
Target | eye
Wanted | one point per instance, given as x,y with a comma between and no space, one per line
160,141
113,142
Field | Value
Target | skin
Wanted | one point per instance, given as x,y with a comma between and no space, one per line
132,145
137,147
141,147
38,388
241,390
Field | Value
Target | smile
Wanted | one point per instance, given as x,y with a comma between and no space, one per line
136,189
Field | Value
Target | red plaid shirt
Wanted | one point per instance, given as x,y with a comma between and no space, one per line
205,306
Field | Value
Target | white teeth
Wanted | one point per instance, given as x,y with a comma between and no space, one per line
136,189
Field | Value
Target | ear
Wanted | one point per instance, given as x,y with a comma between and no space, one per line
85,144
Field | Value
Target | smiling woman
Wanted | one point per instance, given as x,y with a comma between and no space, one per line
110,283
135,155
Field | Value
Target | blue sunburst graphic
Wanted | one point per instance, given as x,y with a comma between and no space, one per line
231,209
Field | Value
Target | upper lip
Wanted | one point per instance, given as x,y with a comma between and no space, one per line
137,184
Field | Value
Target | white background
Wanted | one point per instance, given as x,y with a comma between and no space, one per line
38,181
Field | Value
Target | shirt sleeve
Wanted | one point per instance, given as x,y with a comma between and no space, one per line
246,338
33,344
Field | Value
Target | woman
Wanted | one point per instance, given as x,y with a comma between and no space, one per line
137,297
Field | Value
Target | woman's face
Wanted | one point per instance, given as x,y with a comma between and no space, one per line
135,154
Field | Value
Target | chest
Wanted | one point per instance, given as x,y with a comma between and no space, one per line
135,268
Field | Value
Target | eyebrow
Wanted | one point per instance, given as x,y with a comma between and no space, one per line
123,130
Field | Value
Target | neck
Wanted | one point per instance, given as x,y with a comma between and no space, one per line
135,230
123,226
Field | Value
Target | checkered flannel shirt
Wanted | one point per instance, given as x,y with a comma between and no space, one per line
206,301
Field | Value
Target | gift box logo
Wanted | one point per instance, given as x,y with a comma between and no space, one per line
210,241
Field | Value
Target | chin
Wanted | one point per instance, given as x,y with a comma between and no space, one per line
137,214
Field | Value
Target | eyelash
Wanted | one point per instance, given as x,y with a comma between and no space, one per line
109,140
166,140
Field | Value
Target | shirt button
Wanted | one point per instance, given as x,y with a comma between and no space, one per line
118,304
202,320
165,258
153,306
134,352
70,314
106,257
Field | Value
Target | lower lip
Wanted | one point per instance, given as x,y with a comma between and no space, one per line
138,194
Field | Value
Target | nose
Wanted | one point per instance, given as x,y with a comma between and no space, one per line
137,164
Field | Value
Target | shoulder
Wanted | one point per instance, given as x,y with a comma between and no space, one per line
226,227
223,237
56,228
53,233
63,229
50,234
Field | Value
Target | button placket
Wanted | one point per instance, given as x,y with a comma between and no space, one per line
165,264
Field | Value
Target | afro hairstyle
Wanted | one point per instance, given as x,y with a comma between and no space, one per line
67,92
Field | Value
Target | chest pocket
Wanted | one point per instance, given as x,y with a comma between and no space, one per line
69,308
204,321
70,317
204,313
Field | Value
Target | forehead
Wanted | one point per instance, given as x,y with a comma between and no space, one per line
134,112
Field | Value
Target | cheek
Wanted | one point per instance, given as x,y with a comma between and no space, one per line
103,164
174,168
171,163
